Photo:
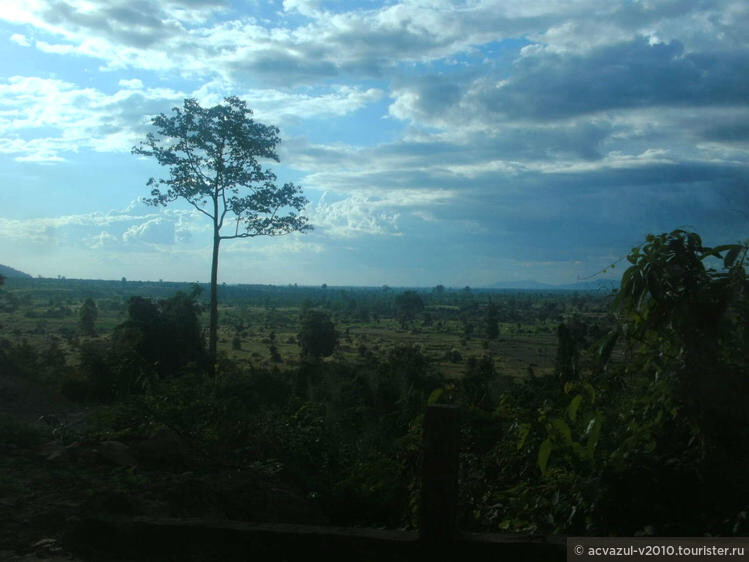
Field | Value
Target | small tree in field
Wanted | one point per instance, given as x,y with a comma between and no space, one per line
88,315
213,159
492,321
408,305
318,336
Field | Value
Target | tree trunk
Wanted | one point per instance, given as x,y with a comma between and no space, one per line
213,327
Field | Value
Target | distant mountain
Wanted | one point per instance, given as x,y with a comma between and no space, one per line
594,285
6,271
530,285
525,284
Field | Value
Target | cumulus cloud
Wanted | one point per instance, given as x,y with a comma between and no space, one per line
73,118
132,83
506,120
355,42
103,240
121,229
70,117
154,231
354,216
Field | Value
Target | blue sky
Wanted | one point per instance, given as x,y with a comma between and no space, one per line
461,143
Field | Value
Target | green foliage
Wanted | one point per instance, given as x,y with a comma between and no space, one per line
164,335
646,430
21,433
408,304
213,155
157,340
475,385
317,336
329,437
567,354
643,430
47,365
88,314
8,301
492,321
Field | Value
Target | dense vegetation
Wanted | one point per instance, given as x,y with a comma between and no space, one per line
635,423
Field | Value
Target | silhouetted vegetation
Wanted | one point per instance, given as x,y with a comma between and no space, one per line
212,155
88,315
408,305
581,414
317,336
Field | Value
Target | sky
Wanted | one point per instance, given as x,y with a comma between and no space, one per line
438,142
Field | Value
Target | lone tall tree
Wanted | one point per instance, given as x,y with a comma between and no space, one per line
213,159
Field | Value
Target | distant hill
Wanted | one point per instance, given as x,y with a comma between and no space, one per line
6,271
525,284
594,285
530,285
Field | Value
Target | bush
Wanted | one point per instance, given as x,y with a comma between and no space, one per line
20,433
165,336
88,315
318,336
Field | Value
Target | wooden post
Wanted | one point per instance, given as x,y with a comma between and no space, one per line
439,486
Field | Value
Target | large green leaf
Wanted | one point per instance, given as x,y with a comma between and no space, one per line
544,451
561,427
435,396
524,430
605,349
574,407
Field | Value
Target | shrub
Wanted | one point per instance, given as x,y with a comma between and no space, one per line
318,336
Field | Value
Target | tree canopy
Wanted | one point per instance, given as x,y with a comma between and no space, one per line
408,305
214,156
318,336
88,314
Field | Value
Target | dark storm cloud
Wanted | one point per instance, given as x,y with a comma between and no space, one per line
565,216
539,214
628,75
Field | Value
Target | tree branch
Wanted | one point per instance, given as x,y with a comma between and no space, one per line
206,213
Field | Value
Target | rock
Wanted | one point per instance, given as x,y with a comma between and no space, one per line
116,453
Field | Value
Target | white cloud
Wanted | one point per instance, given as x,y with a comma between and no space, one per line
154,231
183,38
89,118
103,239
376,213
69,117
20,40
114,228
354,216
635,102
131,84
279,106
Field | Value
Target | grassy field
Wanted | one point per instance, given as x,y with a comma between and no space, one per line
41,312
